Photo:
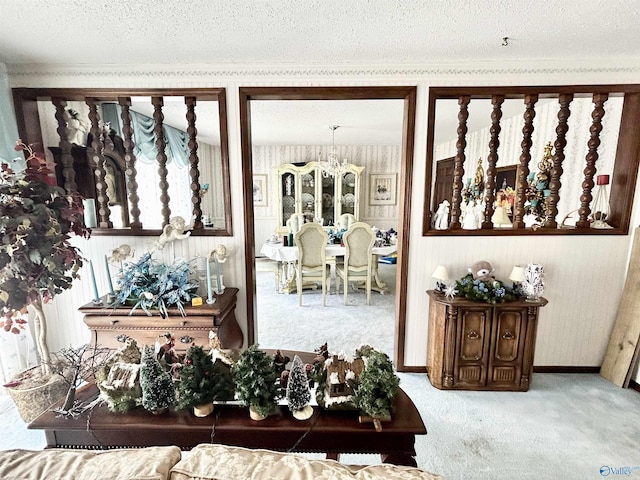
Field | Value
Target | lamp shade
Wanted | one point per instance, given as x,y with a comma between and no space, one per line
517,274
441,273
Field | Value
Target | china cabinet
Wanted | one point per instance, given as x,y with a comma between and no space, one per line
303,189
479,346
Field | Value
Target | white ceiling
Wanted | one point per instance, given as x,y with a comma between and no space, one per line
347,33
325,32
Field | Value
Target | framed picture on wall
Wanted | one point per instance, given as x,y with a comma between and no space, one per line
260,194
382,188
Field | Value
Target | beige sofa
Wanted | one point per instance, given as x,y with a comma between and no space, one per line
204,462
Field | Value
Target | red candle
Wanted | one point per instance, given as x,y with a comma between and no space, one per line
602,179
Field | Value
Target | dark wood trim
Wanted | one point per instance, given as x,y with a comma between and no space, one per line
406,174
221,98
633,385
412,369
565,369
625,168
512,91
406,93
249,230
28,121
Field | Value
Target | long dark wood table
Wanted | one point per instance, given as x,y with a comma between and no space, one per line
327,431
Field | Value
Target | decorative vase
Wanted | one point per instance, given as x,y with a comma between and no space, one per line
533,284
304,414
203,410
255,415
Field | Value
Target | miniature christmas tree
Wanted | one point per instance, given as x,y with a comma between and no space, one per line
298,391
158,392
377,386
202,380
256,378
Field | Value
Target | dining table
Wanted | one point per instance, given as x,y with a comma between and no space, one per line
287,257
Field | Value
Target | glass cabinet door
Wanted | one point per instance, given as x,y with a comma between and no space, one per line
308,194
328,200
348,191
288,195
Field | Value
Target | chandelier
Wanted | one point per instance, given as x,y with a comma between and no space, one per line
332,166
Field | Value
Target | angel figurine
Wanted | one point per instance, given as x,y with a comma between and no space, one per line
174,230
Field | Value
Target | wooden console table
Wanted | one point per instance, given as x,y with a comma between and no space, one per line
110,327
479,346
330,432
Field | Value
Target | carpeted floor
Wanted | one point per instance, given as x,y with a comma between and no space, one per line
282,323
567,426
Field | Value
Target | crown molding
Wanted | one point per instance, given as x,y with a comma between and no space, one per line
476,68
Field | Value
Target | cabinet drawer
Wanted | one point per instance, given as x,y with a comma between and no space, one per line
184,337
113,331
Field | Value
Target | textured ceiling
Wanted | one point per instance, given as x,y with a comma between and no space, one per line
327,32
342,33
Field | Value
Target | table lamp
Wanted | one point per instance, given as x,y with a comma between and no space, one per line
517,277
441,275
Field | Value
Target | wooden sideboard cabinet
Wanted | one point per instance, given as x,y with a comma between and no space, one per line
479,346
110,327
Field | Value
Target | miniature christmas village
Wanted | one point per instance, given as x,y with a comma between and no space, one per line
158,379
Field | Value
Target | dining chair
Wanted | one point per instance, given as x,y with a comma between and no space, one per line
358,258
311,241
345,221
295,222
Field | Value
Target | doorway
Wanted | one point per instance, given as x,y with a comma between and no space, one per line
408,95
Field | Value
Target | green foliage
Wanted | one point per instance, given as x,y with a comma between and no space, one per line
377,385
298,391
158,392
36,221
202,380
256,377
493,291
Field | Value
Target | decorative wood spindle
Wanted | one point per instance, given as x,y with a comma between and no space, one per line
68,173
458,163
161,157
194,161
449,346
492,159
96,159
130,163
525,158
592,157
558,158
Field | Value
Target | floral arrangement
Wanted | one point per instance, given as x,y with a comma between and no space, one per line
150,284
491,291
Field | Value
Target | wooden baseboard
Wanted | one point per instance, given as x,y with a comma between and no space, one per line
414,369
565,369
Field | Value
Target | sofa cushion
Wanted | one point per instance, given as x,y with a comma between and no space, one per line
220,462
151,463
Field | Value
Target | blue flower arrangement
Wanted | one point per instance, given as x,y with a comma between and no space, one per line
150,284
492,291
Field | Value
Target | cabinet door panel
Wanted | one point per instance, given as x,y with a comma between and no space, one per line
507,350
472,347
509,325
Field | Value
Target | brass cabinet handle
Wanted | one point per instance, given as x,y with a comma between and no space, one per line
508,335
473,335
186,339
